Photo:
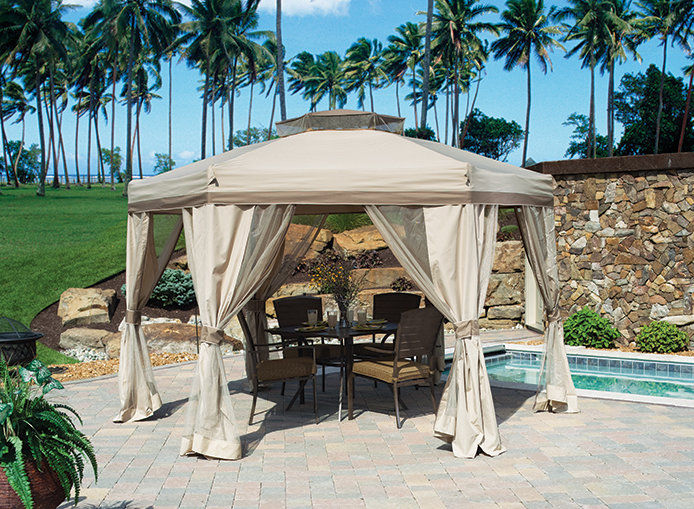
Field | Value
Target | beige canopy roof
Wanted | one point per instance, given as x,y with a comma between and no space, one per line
340,119
333,170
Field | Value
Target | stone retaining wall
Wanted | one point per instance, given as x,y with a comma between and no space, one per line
625,237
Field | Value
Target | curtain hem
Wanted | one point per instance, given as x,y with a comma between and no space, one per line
219,449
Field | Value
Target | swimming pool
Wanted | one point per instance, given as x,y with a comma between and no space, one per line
663,379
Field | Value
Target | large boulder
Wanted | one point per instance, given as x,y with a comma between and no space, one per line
170,338
85,306
508,257
179,263
297,232
365,238
81,337
505,289
379,277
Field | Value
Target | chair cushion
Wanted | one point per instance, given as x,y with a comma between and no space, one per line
279,369
383,370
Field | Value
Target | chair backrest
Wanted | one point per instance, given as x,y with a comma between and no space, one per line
293,311
417,333
389,306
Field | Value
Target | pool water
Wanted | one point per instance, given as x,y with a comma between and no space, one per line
648,378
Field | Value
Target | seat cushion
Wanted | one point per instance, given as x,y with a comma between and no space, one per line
383,370
279,369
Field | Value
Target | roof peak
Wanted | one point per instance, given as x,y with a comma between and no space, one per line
340,119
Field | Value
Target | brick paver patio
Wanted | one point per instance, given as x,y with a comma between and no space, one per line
612,454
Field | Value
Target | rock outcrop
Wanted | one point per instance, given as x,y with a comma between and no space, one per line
359,240
85,306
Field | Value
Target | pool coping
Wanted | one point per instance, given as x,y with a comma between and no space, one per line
613,354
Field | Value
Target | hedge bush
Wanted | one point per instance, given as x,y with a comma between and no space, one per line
587,328
661,337
174,290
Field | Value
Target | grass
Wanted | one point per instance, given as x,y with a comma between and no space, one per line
337,223
68,238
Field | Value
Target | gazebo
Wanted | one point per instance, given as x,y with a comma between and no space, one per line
436,207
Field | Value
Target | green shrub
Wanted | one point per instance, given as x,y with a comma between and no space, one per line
174,290
661,337
587,328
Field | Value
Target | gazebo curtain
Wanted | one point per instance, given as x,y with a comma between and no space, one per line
556,391
231,250
139,397
448,251
285,262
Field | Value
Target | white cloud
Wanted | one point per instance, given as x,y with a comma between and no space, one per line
307,7
186,155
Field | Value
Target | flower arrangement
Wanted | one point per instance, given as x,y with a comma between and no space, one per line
35,431
333,274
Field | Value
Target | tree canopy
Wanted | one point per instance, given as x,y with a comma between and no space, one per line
492,137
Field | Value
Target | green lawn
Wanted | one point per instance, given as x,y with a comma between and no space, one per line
68,238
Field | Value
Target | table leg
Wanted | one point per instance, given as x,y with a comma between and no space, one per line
349,362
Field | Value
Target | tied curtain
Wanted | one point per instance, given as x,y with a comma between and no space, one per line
285,262
231,250
556,390
139,397
448,251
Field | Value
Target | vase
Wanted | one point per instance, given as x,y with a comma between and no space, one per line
344,313
46,489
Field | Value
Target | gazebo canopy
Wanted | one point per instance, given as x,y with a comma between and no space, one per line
330,168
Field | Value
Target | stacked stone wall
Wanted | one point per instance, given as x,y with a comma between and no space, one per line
504,306
625,245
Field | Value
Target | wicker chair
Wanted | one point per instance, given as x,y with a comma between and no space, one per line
416,337
387,306
301,368
292,312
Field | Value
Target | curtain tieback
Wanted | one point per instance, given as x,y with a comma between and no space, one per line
466,329
554,315
255,306
211,335
133,316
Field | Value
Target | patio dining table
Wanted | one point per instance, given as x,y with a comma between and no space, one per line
345,334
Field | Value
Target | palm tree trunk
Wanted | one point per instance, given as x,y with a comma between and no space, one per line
371,96
280,60
221,119
19,154
250,110
77,156
89,145
456,112
41,189
427,63
610,111
61,146
591,120
468,117
99,159
414,97
436,119
527,121
397,95
685,118
448,107
51,119
114,77
272,114
203,131
2,127
232,98
170,101
139,148
129,102
49,149
660,97
214,127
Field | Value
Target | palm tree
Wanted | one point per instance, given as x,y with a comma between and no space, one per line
623,29
527,31
301,67
590,31
280,61
364,68
685,33
427,65
35,35
688,71
457,29
404,52
146,25
660,17
143,94
328,77
16,103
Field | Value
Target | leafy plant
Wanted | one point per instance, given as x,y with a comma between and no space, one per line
367,260
402,284
587,328
33,429
174,290
426,133
661,337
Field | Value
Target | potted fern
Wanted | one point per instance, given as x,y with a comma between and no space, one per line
42,454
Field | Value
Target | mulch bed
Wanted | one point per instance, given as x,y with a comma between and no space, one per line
92,369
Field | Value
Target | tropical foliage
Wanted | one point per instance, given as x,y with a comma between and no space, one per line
492,137
661,337
588,328
34,429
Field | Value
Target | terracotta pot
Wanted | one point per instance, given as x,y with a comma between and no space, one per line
45,488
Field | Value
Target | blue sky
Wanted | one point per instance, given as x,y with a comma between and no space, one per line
321,25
